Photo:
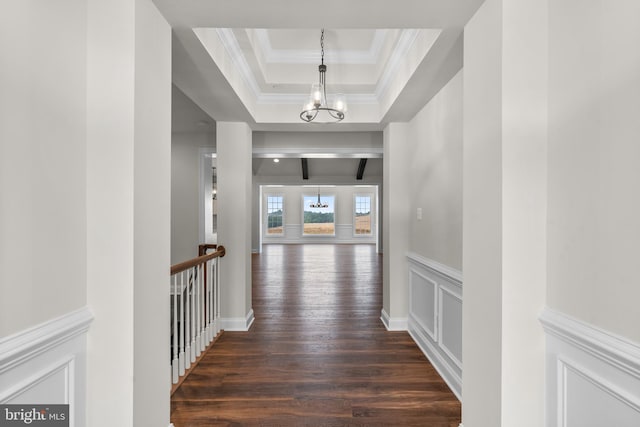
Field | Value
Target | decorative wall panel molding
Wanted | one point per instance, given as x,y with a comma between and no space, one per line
46,364
435,316
593,376
18,348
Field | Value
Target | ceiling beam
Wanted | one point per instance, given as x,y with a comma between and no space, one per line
361,166
305,168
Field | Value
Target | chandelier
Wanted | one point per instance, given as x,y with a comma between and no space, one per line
319,204
317,106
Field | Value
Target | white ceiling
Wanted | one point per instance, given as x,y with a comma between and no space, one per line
254,61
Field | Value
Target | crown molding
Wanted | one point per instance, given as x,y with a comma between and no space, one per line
405,43
230,43
311,56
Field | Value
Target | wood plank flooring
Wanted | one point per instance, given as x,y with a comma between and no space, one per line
317,354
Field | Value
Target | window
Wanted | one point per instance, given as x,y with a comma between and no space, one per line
362,215
275,215
319,221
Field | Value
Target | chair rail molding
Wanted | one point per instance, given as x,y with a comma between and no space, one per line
437,267
593,375
22,346
47,362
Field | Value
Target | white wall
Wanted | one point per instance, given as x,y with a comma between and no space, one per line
344,213
524,209
152,216
42,161
593,211
396,217
482,221
505,199
594,87
110,139
82,90
435,177
185,192
43,200
234,222
128,176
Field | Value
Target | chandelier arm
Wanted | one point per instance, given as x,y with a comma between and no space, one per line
309,115
339,115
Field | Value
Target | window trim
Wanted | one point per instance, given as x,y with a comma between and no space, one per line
315,196
266,216
372,218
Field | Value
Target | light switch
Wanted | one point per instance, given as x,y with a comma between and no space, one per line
419,214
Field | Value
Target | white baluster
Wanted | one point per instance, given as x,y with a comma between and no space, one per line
218,298
188,324
216,309
207,290
174,315
203,340
210,300
193,292
197,319
181,362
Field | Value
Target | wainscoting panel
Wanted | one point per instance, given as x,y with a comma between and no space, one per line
47,364
423,300
450,309
593,376
435,316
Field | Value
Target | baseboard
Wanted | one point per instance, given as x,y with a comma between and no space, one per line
240,324
393,323
592,375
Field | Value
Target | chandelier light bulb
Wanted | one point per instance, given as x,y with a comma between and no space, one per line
340,103
317,91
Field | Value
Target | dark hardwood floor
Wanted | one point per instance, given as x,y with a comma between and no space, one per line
317,354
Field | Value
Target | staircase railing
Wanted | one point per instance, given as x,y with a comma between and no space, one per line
195,309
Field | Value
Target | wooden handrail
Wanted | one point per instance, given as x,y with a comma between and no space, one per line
177,268
202,249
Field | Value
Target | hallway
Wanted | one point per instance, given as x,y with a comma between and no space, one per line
317,353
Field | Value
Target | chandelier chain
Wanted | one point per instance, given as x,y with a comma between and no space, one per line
322,46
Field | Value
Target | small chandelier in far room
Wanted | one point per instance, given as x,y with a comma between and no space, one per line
319,204
317,106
